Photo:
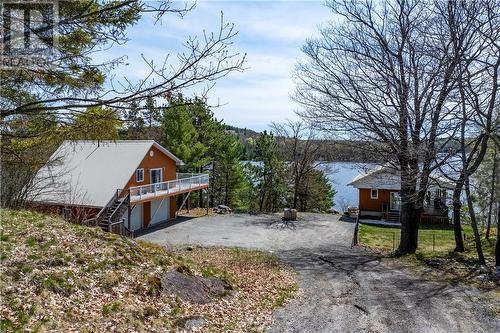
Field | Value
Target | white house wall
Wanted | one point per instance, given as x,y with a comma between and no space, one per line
136,216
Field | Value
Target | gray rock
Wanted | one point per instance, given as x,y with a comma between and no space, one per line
483,269
194,322
483,278
194,289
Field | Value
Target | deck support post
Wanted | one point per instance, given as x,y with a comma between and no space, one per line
208,199
183,202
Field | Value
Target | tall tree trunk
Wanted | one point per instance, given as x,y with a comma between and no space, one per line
492,193
295,193
497,245
473,222
457,226
409,224
226,190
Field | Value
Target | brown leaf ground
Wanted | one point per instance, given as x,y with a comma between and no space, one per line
57,276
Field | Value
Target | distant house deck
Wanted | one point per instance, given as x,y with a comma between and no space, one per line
183,184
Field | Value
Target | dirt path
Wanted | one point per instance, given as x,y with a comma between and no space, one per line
343,289
350,291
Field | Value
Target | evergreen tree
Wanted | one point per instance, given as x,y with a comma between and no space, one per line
151,113
268,174
315,192
179,134
229,181
97,123
134,123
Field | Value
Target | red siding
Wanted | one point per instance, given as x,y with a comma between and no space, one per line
374,205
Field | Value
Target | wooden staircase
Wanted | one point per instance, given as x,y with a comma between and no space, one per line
110,218
392,216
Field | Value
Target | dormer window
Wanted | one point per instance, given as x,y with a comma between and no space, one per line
374,193
139,175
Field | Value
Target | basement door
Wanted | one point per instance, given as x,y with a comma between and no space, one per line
160,210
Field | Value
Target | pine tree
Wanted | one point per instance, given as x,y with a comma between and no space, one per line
269,174
179,134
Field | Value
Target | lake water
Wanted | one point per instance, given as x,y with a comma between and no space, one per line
340,174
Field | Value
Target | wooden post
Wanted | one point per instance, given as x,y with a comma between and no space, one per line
208,197
355,236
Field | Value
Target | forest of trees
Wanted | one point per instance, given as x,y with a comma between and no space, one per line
265,183
189,129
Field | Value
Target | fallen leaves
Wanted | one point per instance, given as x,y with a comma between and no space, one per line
57,276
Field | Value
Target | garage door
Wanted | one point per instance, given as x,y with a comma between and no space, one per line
135,217
159,210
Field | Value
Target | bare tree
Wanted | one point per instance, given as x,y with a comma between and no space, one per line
205,59
302,150
71,79
385,74
492,193
478,110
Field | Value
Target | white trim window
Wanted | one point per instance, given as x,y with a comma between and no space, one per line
373,193
156,175
139,175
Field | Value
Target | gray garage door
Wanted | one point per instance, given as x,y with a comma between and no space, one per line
159,210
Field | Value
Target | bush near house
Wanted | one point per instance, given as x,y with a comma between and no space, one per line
57,276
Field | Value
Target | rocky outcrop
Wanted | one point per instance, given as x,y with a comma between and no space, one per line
194,289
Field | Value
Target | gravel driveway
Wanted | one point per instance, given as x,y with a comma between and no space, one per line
343,289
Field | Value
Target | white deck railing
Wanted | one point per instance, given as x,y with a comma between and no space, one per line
184,182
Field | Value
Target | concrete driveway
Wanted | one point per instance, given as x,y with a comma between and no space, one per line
343,289
265,232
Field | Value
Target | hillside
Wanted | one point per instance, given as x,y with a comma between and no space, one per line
61,277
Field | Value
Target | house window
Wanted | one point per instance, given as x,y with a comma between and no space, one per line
139,175
440,193
374,193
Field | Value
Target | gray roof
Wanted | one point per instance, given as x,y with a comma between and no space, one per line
89,172
384,177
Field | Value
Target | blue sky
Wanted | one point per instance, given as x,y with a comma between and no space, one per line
270,33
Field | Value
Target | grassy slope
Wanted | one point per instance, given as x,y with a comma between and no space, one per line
446,265
63,277
385,238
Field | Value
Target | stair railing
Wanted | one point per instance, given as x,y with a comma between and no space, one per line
125,200
99,216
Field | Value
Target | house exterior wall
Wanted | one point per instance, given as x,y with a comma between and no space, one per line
146,217
169,167
158,160
71,212
375,205
173,206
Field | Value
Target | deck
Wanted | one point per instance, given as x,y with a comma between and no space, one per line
183,184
